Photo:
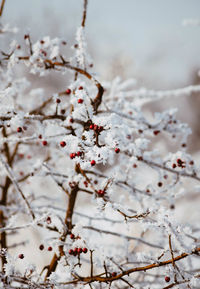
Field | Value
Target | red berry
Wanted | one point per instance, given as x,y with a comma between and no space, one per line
160,184
156,132
93,163
42,41
191,163
40,136
19,129
183,145
18,46
43,52
91,126
44,143
62,111
64,43
100,192
48,220
71,252
26,36
134,166
41,247
72,236
80,100
80,250
114,274
85,250
71,120
21,256
95,182
80,88
96,127
49,248
68,91
62,144
86,184
117,150
79,153
174,166
58,100
71,156
167,279
100,128
140,131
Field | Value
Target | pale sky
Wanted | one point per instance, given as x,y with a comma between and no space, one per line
149,33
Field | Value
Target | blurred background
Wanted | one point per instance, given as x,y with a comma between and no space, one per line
146,40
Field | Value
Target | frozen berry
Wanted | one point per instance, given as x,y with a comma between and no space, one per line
72,236
21,256
117,150
85,250
93,163
44,143
100,192
41,247
80,100
68,91
71,252
19,129
156,132
80,250
48,220
167,279
114,274
49,248
62,144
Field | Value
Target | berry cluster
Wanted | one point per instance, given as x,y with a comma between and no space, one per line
179,163
41,247
101,193
85,183
73,155
77,251
96,128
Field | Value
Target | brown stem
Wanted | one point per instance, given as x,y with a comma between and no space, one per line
68,223
2,6
138,269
